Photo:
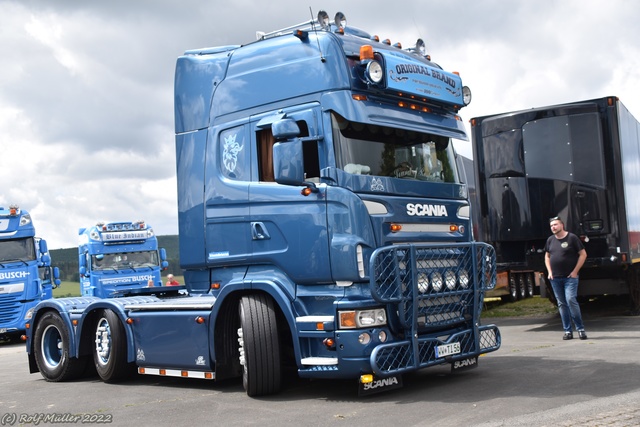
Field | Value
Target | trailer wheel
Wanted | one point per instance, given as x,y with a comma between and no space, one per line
530,287
522,287
51,347
259,346
110,349
513,289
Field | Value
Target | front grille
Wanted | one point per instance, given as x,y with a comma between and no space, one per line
9,308
438,292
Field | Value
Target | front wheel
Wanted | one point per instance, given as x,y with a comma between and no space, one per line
51,347
110,348
259,345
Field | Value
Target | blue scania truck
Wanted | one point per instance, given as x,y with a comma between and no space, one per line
26,275
117,257
323,225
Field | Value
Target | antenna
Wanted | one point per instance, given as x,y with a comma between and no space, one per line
313,28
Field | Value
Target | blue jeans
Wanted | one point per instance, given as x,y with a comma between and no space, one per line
566,292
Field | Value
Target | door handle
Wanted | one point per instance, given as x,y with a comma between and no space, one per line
259,231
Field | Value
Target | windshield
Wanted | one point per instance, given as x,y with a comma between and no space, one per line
124,260
383,151
17,250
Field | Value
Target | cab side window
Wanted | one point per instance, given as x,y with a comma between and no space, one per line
266,140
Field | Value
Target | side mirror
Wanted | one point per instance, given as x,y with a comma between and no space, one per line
43,246
46,259
288,166
163,254
56,277
285,129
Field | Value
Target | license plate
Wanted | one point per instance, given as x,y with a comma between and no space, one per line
447,349
380,384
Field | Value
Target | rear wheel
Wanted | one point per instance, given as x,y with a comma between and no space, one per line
529,285
522,287
513,289
51,347
259,345
110,348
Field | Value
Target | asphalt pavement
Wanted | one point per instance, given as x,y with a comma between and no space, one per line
535,379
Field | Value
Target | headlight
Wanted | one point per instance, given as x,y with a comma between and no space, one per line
352,319
374,72
466,95
29,314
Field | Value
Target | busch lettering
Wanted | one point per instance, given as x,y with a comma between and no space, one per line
385,382
14,275
414,209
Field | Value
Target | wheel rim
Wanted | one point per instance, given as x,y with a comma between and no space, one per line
51,347
103,341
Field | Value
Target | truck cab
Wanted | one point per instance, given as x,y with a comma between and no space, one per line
115,258
26,274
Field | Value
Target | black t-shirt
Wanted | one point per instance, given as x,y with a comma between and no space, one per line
563,254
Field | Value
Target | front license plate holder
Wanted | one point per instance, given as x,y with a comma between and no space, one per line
447,349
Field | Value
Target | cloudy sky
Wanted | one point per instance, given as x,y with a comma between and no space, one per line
86,87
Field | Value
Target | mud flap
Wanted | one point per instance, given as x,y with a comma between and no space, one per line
464,364
379,385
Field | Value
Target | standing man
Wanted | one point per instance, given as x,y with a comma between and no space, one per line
564,257
171,281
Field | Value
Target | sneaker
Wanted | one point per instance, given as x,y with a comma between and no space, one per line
582,334
568,336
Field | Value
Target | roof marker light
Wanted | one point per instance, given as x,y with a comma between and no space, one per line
302,35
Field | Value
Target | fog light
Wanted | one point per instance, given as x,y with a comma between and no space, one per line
436,281
382,336
450,279
423,283
364,338
464,279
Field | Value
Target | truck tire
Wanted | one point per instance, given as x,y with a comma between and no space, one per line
259,346
529,285
513,290
51,347
110,348
522,286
